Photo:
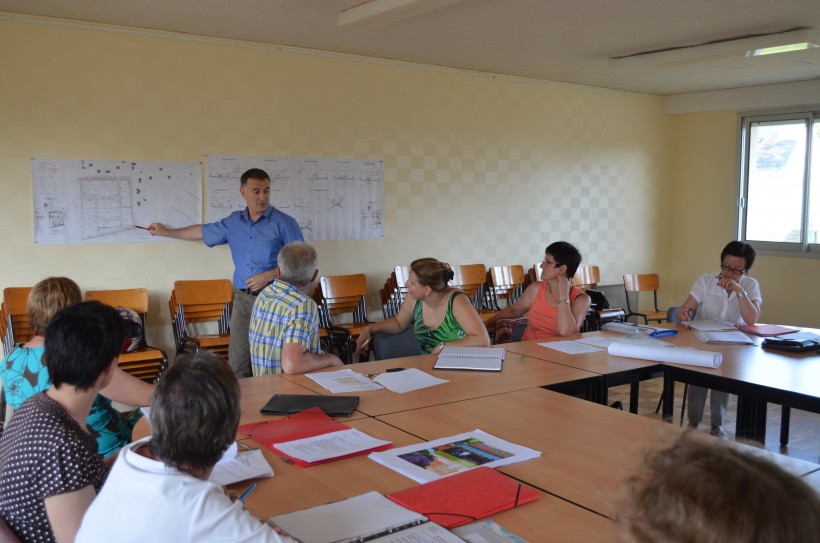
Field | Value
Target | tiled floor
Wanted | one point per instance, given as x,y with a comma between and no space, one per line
804,428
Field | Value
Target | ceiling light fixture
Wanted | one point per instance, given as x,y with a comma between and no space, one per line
793,41
379,12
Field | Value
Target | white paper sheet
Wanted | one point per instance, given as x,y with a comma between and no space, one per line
424,462
729,338
332,445
342,381
691,357
712,325
244,465
570,347
359,518
408,380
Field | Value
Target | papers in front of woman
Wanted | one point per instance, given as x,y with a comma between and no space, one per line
594,344
407,380
724,338
368,517
343,381
235,466
397,381
425,462
327,446
711,325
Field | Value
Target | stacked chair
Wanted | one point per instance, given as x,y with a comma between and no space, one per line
337,296
145,362
193,305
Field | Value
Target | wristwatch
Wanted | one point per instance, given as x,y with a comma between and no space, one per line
564,301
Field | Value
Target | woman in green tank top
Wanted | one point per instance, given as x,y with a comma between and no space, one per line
439,314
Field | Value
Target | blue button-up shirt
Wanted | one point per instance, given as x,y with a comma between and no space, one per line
254,245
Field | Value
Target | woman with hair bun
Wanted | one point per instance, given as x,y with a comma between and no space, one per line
439,314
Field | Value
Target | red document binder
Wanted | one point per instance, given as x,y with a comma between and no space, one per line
465,497
308,423
765,330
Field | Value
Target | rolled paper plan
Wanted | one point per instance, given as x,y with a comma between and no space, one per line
671,355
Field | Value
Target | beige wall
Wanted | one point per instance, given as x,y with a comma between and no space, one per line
476,169
704,195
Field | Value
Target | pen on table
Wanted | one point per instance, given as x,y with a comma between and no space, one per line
366,342
141,227
248,491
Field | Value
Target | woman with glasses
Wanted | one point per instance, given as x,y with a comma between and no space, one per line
439,314
729,295
553,306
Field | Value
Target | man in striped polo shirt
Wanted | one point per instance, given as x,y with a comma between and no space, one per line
284,328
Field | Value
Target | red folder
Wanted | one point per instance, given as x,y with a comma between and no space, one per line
465,497
308,423
765,330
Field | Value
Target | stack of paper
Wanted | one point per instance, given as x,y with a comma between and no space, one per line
711,325
425,462
725,338
244,465
342,381
368,517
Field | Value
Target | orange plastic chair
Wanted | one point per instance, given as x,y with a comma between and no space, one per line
343,295
505,283
634,282
196,302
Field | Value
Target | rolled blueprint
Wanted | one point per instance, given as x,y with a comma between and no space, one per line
690,357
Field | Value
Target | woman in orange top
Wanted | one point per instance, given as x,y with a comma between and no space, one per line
553,306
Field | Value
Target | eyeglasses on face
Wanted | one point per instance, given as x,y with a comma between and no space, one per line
550,263
726,268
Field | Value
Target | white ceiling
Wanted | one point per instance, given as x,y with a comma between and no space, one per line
567,41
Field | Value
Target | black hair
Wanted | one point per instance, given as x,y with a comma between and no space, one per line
740,249
80,343
566,255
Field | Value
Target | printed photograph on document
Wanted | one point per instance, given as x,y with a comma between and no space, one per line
454,457
424,462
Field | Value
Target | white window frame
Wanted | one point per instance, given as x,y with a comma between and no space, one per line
745,120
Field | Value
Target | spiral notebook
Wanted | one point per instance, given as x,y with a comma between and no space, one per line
470,358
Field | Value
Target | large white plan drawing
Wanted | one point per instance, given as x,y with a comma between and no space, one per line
330,198
107,201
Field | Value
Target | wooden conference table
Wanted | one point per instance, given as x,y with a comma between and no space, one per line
293,488
587,449
755,375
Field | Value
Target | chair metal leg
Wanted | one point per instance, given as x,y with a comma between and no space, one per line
683,403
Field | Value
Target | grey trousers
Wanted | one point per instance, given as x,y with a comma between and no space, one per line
239,352
718,405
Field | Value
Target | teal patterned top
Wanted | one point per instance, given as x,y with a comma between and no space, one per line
24,375
448,330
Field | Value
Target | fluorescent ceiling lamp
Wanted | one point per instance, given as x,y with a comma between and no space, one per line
379,12
794,41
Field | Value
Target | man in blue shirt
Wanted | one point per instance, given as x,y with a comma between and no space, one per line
255,237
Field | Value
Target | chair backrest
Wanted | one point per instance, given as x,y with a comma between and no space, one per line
205,300
587,277
471,278
672,313
395,345
15,306
506,283
641,282
535,273
638,282
135,299
340,294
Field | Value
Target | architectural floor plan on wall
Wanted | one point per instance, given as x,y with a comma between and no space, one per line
330,198
107,201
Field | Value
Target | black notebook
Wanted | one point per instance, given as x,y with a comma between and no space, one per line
288,404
